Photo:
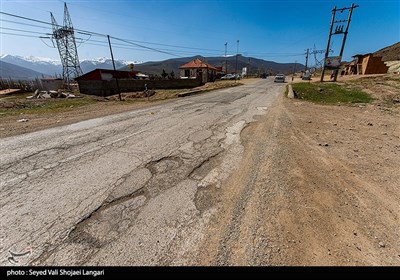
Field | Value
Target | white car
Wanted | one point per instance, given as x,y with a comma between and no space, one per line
228,77
279,78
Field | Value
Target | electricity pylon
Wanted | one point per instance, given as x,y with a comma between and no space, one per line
65,39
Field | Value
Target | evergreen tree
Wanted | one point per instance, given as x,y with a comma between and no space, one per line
164,74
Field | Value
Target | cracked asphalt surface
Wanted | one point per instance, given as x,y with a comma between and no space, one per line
127,189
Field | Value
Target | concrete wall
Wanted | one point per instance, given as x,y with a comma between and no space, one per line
107,88
394,66
51,84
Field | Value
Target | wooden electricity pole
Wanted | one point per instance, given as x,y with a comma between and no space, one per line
305,67
338,30
237,53
226,59
345,35
116,78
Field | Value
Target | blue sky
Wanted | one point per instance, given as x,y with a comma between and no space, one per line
272,30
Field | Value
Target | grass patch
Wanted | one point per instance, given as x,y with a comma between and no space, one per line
328,93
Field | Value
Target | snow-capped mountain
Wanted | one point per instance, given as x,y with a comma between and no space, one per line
103,63
38,64
53,67
12,71
102,60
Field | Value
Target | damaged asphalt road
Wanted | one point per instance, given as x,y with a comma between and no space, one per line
127,189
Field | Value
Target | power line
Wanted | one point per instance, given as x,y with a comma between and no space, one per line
128,46
135,42
26,31
149,48
23,23
88,42
172,52
22,35
94,33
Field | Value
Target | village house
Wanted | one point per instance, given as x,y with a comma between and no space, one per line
106,82
198,69
366,64
106,75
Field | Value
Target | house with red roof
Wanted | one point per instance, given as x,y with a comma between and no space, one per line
198,69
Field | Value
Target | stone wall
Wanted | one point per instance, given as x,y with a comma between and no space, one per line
107,88
394,66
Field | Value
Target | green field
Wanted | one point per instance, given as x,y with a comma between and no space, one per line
329,93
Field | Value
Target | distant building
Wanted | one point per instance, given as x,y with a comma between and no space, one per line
198,69
103,82
366,64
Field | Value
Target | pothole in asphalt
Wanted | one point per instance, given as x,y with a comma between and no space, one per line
206,197
164,165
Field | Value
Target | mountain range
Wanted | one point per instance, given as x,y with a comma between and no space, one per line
11,71
17,67
254,65
45,67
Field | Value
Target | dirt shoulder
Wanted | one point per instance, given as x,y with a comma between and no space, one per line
318,185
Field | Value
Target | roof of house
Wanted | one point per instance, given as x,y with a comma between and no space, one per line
197,63
115,73
358,55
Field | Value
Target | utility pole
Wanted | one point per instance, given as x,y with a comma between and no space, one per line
112,57
338,30
237,53
294,70
328,44
248,68
345,34
305,67
226,59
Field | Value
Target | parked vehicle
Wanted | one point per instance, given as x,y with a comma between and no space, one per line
279,78
306,76
238,76
228,77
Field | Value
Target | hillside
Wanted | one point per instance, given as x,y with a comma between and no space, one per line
38,64
53,67
389,53
255,65
8,70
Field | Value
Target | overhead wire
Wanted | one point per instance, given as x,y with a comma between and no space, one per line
172,52
21,30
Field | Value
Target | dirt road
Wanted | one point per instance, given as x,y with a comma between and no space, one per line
318,185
